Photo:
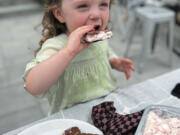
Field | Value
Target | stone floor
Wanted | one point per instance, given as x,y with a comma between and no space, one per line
19,38
5,3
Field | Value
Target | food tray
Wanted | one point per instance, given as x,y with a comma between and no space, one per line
163,115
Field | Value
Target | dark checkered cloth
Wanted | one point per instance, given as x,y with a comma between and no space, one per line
111,123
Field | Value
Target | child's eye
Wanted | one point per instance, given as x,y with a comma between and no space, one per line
104,4
82,6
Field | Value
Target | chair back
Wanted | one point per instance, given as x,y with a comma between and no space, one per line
131,3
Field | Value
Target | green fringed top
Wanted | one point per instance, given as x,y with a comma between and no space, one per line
88,76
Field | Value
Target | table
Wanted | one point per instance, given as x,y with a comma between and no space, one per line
171,2
127,100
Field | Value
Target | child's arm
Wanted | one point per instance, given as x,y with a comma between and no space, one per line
46,73
122,65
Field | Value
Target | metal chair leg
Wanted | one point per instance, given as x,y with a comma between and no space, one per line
154,38
148,29
131,31
171,35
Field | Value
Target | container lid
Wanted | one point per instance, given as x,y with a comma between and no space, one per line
159,118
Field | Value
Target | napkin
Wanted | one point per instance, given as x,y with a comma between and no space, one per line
111,123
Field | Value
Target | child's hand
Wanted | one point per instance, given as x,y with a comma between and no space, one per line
74,43
122,65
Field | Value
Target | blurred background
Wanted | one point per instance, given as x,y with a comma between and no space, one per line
20,32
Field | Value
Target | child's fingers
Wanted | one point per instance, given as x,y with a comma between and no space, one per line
132,68
84,29
129,61
128,74
129,64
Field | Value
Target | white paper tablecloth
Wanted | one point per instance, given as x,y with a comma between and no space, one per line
127,100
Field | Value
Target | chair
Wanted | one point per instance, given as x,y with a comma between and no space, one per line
124,8
150,16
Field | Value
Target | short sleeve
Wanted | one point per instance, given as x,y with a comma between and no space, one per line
111,53
49,48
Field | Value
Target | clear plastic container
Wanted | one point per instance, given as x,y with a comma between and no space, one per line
160,120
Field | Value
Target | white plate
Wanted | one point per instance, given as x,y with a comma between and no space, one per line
57,126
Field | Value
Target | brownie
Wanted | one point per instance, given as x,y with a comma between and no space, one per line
97,35
75,131
96,32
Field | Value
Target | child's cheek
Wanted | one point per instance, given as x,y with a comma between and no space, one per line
81,21
106,20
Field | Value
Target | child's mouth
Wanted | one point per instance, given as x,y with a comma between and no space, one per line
96,27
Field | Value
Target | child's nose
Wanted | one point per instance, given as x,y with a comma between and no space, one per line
94,14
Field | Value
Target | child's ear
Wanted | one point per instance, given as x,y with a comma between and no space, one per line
58,15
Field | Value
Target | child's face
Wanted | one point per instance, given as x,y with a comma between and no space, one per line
76,13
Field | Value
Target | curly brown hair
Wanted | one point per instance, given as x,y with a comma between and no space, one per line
51,26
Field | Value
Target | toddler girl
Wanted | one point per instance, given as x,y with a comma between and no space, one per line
66,70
